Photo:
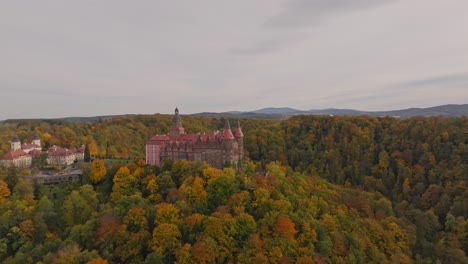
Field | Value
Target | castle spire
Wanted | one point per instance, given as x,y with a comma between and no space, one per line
176,128
227,133
238,130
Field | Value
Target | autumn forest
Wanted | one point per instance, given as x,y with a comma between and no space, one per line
312,189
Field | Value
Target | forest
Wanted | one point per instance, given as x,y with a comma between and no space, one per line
314,189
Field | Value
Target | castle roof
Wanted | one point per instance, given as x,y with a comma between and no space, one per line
227,133
35,137
12,155
15,139
216,136
238,131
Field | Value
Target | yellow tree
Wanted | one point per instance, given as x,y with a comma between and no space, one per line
197,193
93,149
4,191
153,189
98,171
166,239
167,214
211,174
124,184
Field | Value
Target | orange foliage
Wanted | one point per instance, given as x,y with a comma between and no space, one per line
4,191
97,261
201,254
285,228
27,227
194,219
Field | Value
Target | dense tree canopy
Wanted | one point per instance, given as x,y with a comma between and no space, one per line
314,189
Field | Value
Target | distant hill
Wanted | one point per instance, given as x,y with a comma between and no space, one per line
277,110
90,119
238,114
442,110
281,113
335,111
285,112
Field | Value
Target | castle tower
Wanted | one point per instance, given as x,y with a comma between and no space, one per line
15,143
36,140
177,128
240,139
228,144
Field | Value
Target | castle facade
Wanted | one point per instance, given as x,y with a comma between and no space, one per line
219,149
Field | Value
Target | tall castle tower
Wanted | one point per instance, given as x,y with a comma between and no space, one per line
15,143
230,146
239,136
177,129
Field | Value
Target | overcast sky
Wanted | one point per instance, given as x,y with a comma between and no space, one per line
84,58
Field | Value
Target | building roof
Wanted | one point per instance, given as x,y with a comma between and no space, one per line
167,140
29,146
58,151
81,149
12,155
35,137
227,133
238,131
15,139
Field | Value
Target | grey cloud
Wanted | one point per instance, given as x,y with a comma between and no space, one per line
302,13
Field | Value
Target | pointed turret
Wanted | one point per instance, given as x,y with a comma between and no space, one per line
227,133
238,131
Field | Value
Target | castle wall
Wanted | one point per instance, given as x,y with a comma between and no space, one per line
216,149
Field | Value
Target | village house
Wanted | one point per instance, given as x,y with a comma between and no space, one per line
21,154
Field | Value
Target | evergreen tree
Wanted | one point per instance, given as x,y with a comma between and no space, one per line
87,154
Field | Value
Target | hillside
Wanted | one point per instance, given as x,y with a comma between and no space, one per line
191,213
401,183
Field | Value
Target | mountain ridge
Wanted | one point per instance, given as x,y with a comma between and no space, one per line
279,113
440,110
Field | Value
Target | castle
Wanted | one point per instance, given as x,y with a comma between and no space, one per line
219,149
21,154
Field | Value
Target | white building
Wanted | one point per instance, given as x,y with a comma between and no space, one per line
21,154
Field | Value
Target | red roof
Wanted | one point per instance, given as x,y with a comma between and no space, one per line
238,132
227,134
14,155
29,146
186,139
81,149
58,151
55,148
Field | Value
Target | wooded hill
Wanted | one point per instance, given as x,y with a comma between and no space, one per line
316,190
